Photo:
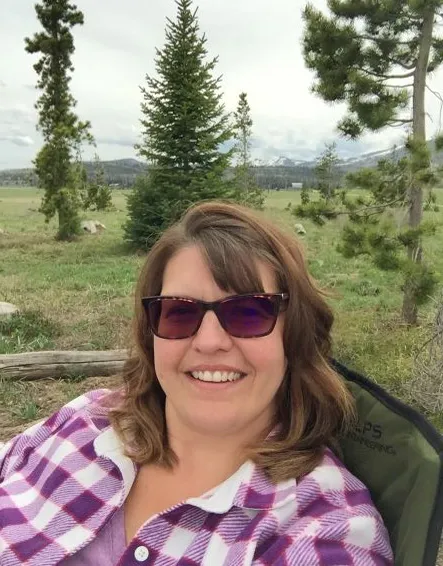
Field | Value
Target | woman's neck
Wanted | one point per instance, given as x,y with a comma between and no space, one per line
208,462
212,458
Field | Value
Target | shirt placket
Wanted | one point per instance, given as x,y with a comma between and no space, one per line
147,547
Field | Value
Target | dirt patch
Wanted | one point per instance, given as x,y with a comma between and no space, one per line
23,403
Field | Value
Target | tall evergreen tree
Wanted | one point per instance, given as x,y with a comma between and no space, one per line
243,133
184,125
244,179
375,55
62,131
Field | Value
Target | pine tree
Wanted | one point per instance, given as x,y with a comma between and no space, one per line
326,171
96,193
248,190
375,56
184,125
62,131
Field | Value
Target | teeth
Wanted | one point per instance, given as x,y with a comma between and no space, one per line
216,376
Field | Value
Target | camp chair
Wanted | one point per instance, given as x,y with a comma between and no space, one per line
398,455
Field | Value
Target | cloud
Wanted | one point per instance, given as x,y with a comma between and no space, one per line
21,141
17,114
124,142
259,50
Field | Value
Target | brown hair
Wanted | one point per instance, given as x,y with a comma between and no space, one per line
313,403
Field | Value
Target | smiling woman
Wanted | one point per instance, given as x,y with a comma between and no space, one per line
217,449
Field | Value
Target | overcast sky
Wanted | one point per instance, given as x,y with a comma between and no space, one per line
258,44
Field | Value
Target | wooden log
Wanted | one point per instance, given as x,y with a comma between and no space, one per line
39,365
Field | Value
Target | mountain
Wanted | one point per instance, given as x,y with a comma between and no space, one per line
283,161
371,159
280,172
121,166
118,172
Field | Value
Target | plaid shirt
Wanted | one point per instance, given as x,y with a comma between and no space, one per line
62,480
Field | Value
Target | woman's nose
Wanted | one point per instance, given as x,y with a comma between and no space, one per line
211,335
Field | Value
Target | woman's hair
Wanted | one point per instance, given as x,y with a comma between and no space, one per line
313,403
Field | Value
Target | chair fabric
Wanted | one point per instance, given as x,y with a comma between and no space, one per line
398,454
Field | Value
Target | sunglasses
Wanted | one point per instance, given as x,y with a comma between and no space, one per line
241,316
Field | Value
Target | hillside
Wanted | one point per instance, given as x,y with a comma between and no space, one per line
278,173
121,172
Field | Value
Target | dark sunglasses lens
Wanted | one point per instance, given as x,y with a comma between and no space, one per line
174,318
247,317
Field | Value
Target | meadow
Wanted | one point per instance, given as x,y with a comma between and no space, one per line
79,295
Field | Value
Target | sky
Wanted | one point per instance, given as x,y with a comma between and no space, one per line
258,44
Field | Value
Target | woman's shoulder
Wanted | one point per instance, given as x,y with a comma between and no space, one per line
333,484
84,414
334,515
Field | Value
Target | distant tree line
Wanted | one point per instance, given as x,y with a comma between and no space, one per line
265,176
275,177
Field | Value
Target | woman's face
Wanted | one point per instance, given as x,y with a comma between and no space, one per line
244,406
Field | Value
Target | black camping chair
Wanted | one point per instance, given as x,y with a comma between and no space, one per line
398,454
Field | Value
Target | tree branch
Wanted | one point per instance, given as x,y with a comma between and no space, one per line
381,76
400,121
378,39
439,97
375,207
400,64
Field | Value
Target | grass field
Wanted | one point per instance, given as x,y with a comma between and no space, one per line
79,296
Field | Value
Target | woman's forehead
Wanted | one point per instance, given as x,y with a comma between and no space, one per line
189,269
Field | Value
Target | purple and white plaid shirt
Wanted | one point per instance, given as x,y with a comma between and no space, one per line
62,480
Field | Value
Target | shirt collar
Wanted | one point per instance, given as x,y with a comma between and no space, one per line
108,445
247,488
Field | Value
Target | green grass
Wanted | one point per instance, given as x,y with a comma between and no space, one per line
86,285
369,335
21,401
27,331
83,291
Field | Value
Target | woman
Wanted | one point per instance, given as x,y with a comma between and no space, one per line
217,449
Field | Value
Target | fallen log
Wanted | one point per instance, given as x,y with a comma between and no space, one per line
39,365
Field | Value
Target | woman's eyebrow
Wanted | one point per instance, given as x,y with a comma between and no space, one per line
181,296
193,297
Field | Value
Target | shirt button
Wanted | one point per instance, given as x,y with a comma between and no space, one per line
141,553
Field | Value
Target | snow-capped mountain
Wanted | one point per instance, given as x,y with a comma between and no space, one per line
372,158
369,159
280,161
284,161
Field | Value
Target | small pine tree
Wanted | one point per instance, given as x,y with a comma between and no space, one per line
372,228
62,131
248,190
326,171
97,194
184,126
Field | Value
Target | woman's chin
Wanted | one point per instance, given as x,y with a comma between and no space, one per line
215,421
